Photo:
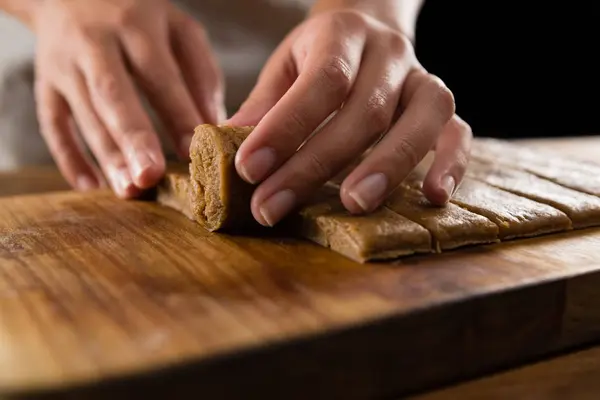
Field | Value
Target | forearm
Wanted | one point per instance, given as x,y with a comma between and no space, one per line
20,9
400,14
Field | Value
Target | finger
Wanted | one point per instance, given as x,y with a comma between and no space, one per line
54,117
155,68
109,156
428,106
450,161
366,114
115,101
326,77
199,68
274,81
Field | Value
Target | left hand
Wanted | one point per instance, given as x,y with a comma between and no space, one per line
367,72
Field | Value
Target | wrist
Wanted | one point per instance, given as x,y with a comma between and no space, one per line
400,15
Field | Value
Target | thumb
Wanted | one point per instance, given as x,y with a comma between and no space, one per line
274,81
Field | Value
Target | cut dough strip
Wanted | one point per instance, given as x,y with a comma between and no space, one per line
492,204
583,209
220,199
382,234
450,226
583,176
514,215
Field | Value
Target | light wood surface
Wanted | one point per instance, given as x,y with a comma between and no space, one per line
94,288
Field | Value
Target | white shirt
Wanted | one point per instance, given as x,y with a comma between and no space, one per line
243,35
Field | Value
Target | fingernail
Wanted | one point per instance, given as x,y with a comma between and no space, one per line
255,167
140,162
277,206
121,181
184,145
448,184
221,114
85,183
369,191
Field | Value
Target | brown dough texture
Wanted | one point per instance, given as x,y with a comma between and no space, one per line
380,235
583,176
174,190
515,216
220,198
450,225
493,203
583,209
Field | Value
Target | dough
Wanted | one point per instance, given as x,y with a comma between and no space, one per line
493,203
515,216
220,199
583,209
450,225
583,176
174,190
382,234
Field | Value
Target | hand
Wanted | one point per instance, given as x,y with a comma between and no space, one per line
365,72
92,55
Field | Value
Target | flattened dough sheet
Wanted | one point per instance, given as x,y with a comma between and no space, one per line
382,234
514,215
450,226
583,209
578,175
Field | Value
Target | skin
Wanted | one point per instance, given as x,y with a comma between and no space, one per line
355,53
91,56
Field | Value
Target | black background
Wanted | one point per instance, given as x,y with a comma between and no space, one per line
516,68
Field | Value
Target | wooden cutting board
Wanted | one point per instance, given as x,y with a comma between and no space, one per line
93,289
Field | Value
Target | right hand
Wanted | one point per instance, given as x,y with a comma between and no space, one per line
90,56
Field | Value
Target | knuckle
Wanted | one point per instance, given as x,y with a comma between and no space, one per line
399,44
106,86
294,126
348,19
337,75
379,114
316,168
91,35
463,127
126,15
444,98
405,151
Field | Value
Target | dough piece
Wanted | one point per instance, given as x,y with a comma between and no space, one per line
173,190
583,209
515,216
450,225
583,176
220,198
380,235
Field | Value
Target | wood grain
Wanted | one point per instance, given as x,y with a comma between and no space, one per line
117,296
93,288
31,180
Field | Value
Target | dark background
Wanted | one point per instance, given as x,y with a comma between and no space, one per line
516,68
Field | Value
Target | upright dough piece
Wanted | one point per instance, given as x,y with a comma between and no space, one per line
380,235
583,209
515,216
220,199
174,190
450,225
583,176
